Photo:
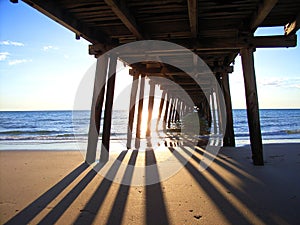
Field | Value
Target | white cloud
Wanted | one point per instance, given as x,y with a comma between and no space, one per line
3,55
49,47
13,43
18,61
281,82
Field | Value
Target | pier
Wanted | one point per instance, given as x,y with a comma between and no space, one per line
215,31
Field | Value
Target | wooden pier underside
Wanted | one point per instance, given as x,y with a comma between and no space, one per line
215,30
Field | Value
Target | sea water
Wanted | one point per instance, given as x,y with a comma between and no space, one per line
61,130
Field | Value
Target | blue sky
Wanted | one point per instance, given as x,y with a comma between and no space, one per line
42,64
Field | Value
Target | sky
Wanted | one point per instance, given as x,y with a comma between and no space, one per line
42,65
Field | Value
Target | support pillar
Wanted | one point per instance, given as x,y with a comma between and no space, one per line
134,88
166,111
96,108
174,111
172,101
228,139
150,108
108,109
213,110
161,105
252,105
140,111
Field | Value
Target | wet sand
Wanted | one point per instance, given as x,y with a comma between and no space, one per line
57,187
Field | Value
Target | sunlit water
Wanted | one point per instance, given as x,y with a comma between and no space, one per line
55,130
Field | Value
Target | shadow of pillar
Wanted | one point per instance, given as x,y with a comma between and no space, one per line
156,212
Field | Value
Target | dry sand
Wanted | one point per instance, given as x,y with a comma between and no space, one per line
57,187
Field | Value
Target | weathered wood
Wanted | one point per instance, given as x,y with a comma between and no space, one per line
150,109
171,108
177,111
292,27
140,112
276,41
219,107
166,111
161,105
96,108
108,108
134,88
125,16
228,139
262,12
213,110
252,106
174,111
193,16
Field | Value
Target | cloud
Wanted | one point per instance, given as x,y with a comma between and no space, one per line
49,47
3,55
13,43
18,61
281,82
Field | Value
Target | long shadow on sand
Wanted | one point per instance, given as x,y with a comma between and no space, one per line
252,200
34,208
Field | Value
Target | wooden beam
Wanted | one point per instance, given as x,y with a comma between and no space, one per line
166,111
54,11
228,139
140,112
171,108
150,109
177,72
193,16
161,105
239,43
262,12
275,41
125,16
134,88
292,27
252,106
96,108
108,109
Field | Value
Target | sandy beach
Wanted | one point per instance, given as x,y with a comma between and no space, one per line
50,187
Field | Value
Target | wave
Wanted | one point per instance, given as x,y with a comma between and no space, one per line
271,133
18,132
292,131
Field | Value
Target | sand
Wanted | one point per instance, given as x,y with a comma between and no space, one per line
50,187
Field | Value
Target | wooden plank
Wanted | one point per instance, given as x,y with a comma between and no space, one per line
134,88
252,105
96,108
262,12
193,17
140,112
108,109
125,16
292,27
228,139
150,108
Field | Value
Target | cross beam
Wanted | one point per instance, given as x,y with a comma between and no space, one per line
262,12
193,16
125,16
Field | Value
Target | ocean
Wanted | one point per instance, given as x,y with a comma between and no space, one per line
62,130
